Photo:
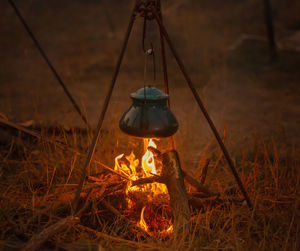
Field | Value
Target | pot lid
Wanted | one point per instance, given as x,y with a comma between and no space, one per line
150,92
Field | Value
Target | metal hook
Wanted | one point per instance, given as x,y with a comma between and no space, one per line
153,58
149,52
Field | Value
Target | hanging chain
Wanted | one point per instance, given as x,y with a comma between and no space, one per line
153,61
145,74
148,52
144,34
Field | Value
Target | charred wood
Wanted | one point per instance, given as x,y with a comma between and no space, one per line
173,178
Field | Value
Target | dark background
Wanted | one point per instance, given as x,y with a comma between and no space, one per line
222,42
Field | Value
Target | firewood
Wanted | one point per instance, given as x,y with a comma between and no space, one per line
140,245
116,212
37,240
201,202
87,202
193,182
188,177
173,178
81,245
143,181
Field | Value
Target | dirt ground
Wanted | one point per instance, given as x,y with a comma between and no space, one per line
243,91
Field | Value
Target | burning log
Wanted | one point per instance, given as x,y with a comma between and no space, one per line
141,192
150,187
188,177
173,178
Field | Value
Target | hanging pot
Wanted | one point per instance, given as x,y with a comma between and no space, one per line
149,116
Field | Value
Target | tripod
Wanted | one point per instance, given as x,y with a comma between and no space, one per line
151,9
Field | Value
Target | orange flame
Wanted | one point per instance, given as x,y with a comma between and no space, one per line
128,165
148,159
142,224
170,229
129,169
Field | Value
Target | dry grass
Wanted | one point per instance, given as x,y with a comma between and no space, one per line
37,183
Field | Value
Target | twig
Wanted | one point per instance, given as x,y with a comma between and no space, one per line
118,239
198,201
37,240
204,172
221,153
57,143
139,182
11,245
87,200
193,182
113,210
148,180
156,152
20,128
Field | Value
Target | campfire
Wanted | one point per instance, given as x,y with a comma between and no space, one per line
148,200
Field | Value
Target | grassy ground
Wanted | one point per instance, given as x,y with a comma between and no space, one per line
37,183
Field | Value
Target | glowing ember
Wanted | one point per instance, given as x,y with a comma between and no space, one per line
134,170
170,229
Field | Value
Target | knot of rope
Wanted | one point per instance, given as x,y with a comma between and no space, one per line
144,8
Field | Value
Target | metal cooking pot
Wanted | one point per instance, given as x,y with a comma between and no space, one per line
149,116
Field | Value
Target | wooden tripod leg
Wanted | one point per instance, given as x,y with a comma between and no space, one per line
203,109
103,112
